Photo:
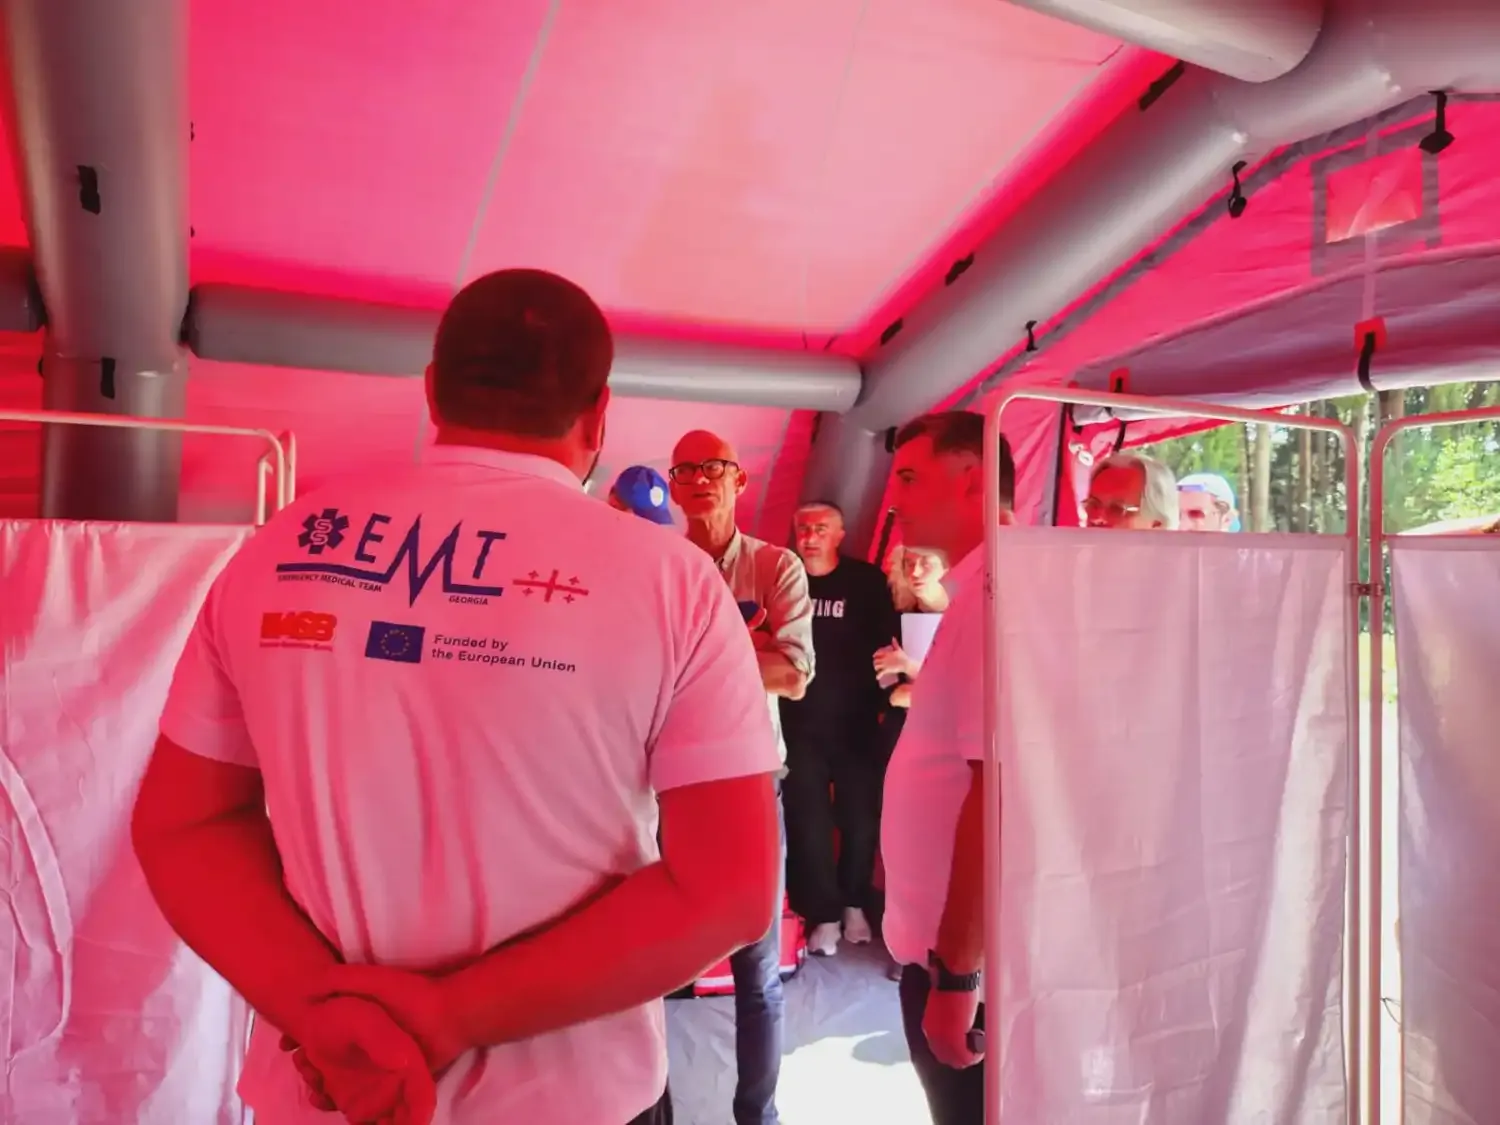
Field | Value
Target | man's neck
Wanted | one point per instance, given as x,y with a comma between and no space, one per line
824,564
712,534
969,538
553,449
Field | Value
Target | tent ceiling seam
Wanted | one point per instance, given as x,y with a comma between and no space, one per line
492,176
1268,172
821,178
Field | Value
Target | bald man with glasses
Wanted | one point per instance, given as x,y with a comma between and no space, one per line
770,585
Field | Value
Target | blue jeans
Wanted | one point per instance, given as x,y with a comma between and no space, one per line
759,1016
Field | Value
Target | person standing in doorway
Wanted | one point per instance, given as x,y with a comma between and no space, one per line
932,832
770,585
834,760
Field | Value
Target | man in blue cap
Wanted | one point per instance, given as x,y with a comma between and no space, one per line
1205,502
642,491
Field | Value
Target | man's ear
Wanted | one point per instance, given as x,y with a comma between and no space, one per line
430,392
741,481
594,432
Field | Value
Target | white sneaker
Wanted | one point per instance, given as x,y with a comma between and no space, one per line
856,927
824,939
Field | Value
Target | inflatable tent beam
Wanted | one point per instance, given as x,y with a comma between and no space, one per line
1147,171
99,109
237,324
1252,40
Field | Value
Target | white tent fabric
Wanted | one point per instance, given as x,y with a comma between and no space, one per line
1175,739
109,1017
1447,600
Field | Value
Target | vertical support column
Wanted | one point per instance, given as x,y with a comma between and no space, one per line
99,105
849,466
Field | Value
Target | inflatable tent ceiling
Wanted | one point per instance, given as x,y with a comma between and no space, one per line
864,208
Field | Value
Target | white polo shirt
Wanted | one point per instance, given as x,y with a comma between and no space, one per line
929,774
464,684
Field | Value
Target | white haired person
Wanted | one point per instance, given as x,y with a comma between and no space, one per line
1205,502
916,581
1132,492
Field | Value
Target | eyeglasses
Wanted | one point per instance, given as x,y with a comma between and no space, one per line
689,471
1092,506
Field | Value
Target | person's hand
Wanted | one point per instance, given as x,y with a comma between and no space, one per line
354,1058
947,1022
418,1003
892,660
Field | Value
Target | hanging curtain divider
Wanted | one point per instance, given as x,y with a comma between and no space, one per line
280,459
1374,796
1364,994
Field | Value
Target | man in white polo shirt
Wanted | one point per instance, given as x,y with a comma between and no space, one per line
770,585
932,834
405,796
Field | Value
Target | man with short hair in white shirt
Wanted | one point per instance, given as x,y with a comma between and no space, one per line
405,798
932,834
770,584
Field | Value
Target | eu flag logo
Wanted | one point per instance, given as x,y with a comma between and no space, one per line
401,643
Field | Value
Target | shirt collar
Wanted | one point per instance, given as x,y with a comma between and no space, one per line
732,552
961,575
522,464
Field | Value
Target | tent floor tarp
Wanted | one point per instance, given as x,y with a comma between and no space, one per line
846,1057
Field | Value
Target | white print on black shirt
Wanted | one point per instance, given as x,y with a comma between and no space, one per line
828,607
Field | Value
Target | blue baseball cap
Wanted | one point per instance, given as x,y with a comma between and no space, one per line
643,491
1214,485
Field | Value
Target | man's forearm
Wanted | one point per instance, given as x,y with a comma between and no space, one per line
780,676
960,941
220,886
635,943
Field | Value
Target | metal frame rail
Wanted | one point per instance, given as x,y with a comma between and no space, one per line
279,462
1360,998
1375,794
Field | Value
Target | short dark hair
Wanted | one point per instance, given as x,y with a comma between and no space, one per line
961,431
520,351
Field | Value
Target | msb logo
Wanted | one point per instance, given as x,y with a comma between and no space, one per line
297,630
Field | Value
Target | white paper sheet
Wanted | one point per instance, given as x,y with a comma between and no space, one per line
1175,730
110,1019
917,631
1446,594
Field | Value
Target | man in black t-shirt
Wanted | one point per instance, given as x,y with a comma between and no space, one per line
834,764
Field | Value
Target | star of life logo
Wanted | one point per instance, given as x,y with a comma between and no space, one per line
323,531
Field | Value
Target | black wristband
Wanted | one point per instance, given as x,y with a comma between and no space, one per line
943,980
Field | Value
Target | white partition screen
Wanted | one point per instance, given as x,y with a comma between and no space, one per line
108,1017
1174,731
1446,594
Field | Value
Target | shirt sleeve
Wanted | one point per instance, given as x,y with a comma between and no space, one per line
789,613
203,713
718,722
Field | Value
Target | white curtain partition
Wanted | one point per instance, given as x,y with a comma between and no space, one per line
108,1018
1175,733
1447,600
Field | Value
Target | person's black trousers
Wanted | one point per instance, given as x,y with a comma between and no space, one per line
955,1097
659,1114
834,782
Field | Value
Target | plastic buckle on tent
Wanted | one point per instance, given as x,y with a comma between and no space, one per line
1439,139
1369,337
1237,200
1031,335
1119,381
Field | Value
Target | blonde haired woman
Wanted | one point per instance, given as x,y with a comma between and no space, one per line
916,581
